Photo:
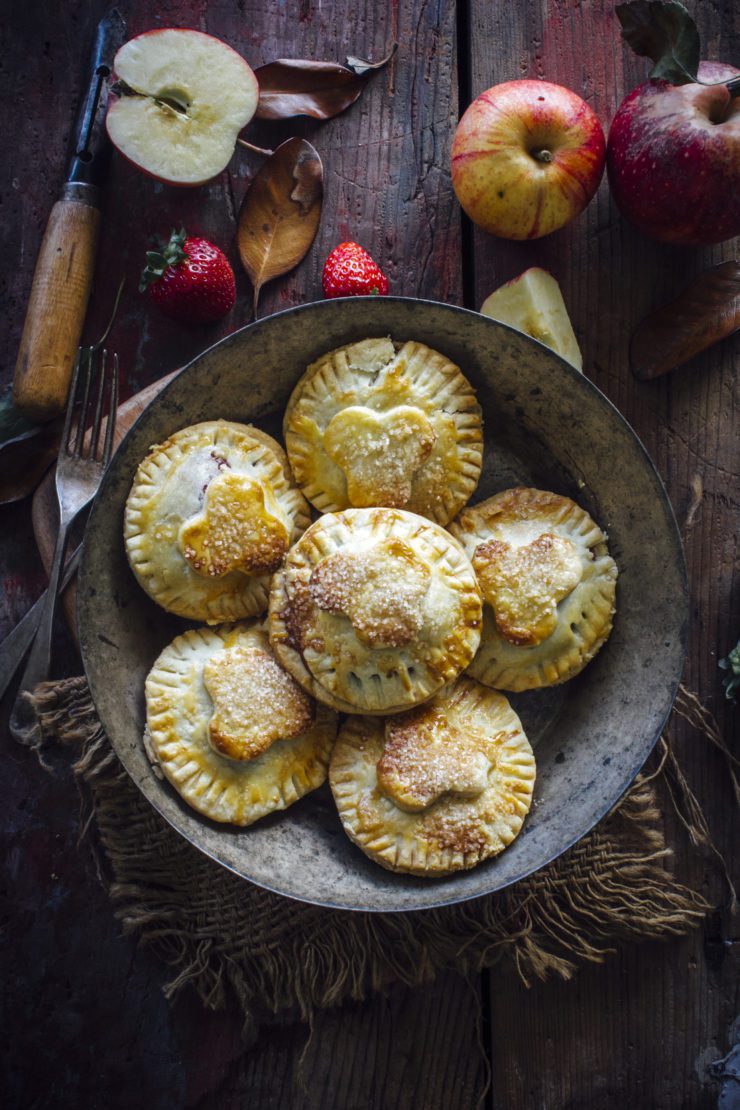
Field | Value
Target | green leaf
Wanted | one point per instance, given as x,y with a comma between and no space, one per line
158,261
732,665
664,32
12,422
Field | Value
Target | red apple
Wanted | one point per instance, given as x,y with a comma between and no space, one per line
185,98
526,158
673,158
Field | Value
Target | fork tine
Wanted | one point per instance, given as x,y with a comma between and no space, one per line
82,422
112,413
71,396
95,433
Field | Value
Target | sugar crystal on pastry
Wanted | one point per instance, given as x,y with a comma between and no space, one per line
374,610
439,788
378,423
548,583
255,702
426,757
379,454
380,590
210,515
241,527
523,585
230,730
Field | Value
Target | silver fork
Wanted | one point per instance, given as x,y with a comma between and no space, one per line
80,468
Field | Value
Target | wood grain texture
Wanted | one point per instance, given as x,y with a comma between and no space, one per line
409,1050
597,1042
387,186
90,1026
56,310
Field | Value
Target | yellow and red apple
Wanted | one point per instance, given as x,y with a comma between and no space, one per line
673,157
527,158
184,96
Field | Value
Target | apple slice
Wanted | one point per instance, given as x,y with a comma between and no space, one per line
184,97
533,303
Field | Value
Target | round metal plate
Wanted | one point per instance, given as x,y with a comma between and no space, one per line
547,426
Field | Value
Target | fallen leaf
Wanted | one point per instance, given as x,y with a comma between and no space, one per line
665,33
708,310
362,67
26,451
280,214
293,87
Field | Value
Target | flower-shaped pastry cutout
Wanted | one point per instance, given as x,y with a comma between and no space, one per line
239,528
380,590
427,757
523,585
379,452
255,702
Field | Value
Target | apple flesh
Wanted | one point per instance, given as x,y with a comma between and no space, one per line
673,159
533,303
526,158
186,96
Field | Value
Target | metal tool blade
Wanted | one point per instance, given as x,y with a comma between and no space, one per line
91,147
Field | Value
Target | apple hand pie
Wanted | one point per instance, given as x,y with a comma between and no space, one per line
548,585
378,423
232,731
436,789
210,516
374,610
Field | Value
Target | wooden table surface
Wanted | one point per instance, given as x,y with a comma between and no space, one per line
86,1022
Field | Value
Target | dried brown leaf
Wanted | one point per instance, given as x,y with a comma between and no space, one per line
280,215
708,310
293,87
362,67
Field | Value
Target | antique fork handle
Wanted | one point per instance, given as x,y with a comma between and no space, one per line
23,722
16,643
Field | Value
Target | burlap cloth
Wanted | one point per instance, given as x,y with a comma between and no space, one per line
225,936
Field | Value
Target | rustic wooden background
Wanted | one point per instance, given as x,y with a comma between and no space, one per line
85,1021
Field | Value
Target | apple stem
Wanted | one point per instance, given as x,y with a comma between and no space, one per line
733,87
542,155
255,149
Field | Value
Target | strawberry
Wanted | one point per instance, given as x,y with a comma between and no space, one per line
189,280
349,271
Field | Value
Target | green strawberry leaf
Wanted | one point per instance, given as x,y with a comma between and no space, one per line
158,261
732,665
664,32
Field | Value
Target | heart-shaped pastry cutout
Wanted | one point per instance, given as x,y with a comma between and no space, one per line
380,590
255,702
239,528
523,585
379,452
426,757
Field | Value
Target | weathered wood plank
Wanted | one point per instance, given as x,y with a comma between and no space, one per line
411,1050
387,186
640,1030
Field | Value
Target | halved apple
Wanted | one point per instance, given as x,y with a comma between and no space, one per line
184,96
533,303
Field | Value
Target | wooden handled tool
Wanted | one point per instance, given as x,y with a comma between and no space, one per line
56,308
64,270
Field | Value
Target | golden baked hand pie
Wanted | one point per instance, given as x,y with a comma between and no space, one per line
378,423
230,729
374,610
438,788
210,516
548,585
